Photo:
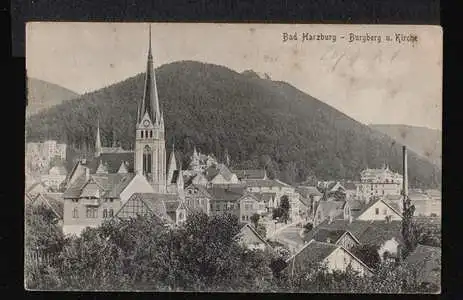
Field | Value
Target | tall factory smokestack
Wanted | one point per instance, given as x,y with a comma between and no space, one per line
405,173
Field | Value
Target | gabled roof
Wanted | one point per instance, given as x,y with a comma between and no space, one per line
265,197
112,161
316,252
373,202
110,184
308,191
323,234
221,169
55,203
58,170
229,193
200,188
250,174
36,184
313,252
154,202
264,183
331,208
375,232
248,229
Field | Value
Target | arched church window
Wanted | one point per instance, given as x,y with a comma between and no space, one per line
141,133
146,133
147,160
151,133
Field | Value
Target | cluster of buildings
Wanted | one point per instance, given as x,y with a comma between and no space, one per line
118,183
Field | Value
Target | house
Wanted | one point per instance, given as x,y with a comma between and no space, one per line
385,234
379,182
250,174
56,175
378,209
269,200
279,188
331,209
426,263
333,257
335,236
220,174
224,199
310,197
37,188
92,198
145,204
425,205
198,198
52,201
250,205
249,238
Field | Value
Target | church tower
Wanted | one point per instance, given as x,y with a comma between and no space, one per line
150,147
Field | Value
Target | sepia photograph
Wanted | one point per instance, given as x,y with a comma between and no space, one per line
250,158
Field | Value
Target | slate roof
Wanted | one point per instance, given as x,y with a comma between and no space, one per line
201,189
155,202
394,207
307,191
263,183
112,161
250,174
323,234
221,169
331,208
248,229
427,261
376,232
313,252
111,184
226,194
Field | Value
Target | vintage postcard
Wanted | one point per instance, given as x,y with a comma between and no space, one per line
233,158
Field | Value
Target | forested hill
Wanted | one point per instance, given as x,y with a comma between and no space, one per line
424,141
259,121
42,95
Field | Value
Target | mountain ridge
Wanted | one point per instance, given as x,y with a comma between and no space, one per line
42,95
426,142
260,122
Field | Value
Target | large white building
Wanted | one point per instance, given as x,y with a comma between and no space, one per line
378,182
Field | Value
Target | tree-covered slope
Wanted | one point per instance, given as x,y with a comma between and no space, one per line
259,121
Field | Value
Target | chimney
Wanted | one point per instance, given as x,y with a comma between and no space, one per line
405,168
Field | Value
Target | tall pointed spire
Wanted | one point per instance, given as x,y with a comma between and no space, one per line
172,165
150,102
98,141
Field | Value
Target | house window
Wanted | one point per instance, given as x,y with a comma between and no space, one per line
105,213
75,213
75,200
377,211
111,213
92,212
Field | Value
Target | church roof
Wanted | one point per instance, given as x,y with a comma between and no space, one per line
150,101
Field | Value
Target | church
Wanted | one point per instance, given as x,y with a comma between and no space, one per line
100,188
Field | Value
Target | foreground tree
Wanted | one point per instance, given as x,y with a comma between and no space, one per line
285,206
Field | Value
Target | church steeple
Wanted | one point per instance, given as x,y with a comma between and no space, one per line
150,102
98,141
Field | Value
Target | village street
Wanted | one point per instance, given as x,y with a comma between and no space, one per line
289,235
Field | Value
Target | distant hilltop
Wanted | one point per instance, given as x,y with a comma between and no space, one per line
422,140
42,95
262,123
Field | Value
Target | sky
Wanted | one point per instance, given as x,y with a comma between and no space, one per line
379,83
